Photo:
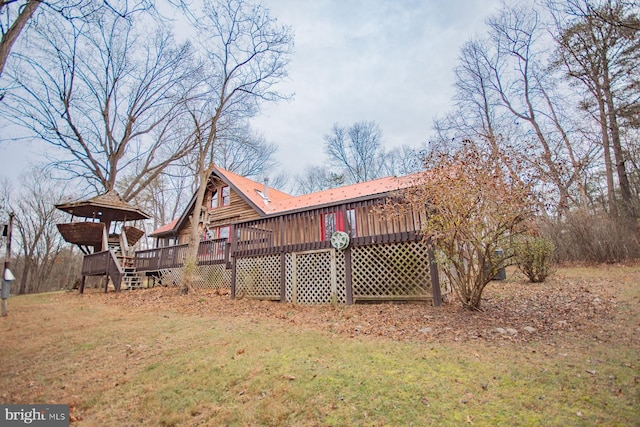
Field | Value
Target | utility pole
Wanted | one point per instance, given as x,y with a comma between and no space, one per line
7,276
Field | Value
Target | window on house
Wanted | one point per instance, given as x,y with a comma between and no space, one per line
167,241
351,220
329,225
337,221
217,233
214,199
225,199
224,233
220,197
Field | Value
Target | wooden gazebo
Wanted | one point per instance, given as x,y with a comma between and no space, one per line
104,233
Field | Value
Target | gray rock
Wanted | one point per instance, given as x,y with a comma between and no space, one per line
512,331
426,330
530,329
501,331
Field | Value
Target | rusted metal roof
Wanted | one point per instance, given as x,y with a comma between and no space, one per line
277,202
343,194
252,191
165,229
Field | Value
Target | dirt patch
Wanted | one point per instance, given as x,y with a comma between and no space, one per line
513,310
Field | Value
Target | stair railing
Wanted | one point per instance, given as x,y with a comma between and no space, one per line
103,263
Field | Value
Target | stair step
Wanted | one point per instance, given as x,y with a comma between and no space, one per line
131,279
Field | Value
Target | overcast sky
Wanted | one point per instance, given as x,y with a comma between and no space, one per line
376,60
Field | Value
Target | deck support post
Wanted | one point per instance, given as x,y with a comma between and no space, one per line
347,275
283,277
435,280
233,277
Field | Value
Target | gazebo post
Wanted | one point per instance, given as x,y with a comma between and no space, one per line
105,237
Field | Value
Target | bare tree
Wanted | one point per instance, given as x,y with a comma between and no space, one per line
167,195
246,54
604,57
525,88
317,178
356,150
35,222
109,97
245,153
404,160
479,116
242,151
15,15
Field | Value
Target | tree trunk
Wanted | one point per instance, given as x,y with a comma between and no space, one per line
621,169
25,276
608,166
623,179
10,37
197,223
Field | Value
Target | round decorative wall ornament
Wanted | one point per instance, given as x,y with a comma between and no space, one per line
340,240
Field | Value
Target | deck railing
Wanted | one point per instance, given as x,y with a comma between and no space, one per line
364,221
214,251
103,263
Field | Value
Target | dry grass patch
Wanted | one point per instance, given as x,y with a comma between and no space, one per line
155,358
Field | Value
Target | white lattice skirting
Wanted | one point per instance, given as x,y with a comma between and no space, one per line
258,277
395,271
214,276
392,271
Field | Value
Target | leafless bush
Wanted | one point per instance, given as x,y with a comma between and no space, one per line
581,237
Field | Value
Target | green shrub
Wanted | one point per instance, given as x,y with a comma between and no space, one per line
533,256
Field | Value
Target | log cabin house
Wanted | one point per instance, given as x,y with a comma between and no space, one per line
331,246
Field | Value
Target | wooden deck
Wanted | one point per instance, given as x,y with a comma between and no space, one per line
210,252
289,257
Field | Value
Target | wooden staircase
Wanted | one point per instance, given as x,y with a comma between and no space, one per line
131,279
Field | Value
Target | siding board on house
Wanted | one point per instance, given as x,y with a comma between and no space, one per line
238,210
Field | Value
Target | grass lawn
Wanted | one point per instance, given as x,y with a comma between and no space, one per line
120,366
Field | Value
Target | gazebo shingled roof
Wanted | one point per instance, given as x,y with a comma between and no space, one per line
106,207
